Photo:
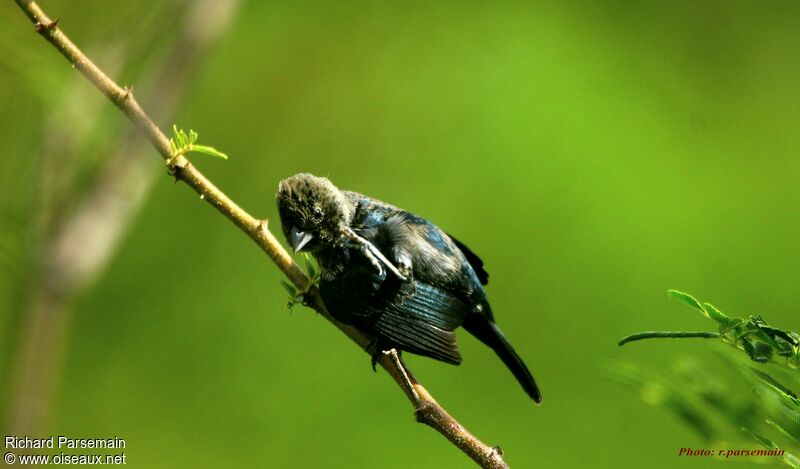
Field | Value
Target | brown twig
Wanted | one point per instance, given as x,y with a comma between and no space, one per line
105,208
426,409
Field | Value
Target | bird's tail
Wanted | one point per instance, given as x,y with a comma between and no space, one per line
487,332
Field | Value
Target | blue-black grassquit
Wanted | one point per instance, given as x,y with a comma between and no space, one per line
395,275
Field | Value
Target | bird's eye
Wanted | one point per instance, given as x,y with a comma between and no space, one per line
317,213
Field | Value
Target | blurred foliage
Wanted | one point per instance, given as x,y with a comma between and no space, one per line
728,404
589,152
752,401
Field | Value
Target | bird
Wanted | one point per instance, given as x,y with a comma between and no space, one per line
394,275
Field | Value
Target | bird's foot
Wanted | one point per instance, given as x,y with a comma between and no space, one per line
375,262
373,254
404,267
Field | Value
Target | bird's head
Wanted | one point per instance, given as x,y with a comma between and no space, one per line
312,211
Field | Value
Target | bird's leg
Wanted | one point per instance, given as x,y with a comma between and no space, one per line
365,248
372,253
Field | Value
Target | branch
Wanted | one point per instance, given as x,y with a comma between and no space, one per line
105,209
426,409
668,335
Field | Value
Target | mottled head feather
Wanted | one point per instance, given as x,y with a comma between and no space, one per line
313,205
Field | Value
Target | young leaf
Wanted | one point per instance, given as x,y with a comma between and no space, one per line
715,314
309,268
766,442
289,288
686,299
208,151
782,391
781,430
182,143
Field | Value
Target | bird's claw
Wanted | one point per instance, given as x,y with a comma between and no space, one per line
375,263
404,267
375,257
374,350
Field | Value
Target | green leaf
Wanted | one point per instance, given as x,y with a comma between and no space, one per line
686,299
707,309
781,430
173,142
289,288
715,314
786,394
762,352
788,458
208,151
310,270
182,143
766,442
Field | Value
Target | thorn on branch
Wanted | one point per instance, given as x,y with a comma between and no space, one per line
127,92
45,27
174,166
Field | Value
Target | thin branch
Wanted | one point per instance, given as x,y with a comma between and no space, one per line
105,209
668,335
427,410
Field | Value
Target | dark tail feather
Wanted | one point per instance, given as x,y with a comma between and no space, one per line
487,332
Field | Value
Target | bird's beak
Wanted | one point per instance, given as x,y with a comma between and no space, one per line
298,239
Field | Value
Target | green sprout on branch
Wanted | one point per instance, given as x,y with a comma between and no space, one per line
296,295
183,143
753,335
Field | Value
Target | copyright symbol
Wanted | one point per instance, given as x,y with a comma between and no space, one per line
10,458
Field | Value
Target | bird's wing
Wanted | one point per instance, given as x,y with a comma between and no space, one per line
348,293
422,321
474,261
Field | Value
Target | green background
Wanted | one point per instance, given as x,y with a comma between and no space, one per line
593,154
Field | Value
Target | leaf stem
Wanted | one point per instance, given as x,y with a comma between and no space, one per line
668,335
